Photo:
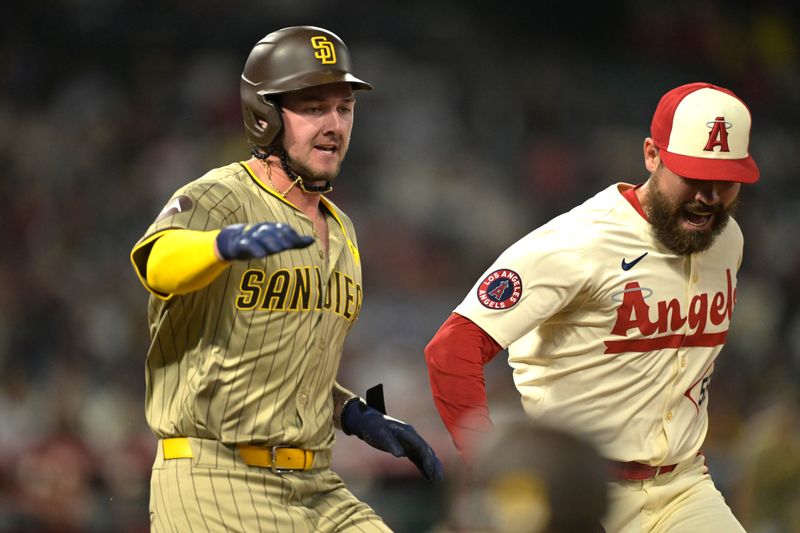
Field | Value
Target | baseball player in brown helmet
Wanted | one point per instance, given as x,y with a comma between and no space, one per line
614,314
255,280
530,478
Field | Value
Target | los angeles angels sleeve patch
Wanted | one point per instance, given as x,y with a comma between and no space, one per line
501,289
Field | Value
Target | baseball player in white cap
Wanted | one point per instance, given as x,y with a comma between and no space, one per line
614,314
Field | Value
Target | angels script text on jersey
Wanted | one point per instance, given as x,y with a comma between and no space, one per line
634,313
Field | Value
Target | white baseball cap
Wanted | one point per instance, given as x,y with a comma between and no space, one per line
703,132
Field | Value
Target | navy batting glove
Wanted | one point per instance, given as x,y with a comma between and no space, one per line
391,435
258,240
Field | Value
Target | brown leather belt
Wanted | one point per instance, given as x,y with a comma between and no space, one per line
277,458
633,471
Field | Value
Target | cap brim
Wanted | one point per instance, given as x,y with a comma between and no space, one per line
313,79
699,168
357,83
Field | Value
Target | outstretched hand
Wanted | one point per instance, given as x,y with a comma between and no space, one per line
391,435
253,241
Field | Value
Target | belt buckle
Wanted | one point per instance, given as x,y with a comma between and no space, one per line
655,474
274,457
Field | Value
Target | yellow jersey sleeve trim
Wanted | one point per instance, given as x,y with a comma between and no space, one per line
139,256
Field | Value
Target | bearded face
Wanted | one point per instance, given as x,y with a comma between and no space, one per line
682,221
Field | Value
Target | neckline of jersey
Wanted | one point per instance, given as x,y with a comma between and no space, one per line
630,196
329,206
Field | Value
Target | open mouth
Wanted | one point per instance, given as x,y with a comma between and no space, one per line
697,220
327,148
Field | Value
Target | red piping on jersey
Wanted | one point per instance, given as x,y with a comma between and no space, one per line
630,195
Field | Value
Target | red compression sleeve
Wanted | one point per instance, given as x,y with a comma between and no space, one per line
456,356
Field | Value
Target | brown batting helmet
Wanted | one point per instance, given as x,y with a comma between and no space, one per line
288,60
532,478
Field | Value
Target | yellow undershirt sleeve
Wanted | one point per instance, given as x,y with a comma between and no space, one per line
182,261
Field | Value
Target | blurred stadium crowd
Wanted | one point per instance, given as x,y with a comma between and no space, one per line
483,124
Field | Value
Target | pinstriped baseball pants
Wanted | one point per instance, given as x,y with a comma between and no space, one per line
215,491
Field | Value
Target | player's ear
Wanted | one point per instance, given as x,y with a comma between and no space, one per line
651,155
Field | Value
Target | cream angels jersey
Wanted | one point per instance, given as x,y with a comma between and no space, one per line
253,356
609,333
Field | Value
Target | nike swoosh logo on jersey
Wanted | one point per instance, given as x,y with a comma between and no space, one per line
178,205
628,266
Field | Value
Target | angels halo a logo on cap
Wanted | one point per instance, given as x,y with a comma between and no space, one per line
501,289
703,132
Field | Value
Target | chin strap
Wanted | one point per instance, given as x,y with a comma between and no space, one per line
261,154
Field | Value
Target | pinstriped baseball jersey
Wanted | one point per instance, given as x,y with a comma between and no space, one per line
252,357
610,333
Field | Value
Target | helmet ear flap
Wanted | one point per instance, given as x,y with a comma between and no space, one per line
267,111
272,116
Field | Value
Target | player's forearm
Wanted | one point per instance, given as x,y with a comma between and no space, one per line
182,261
455,357
341,396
